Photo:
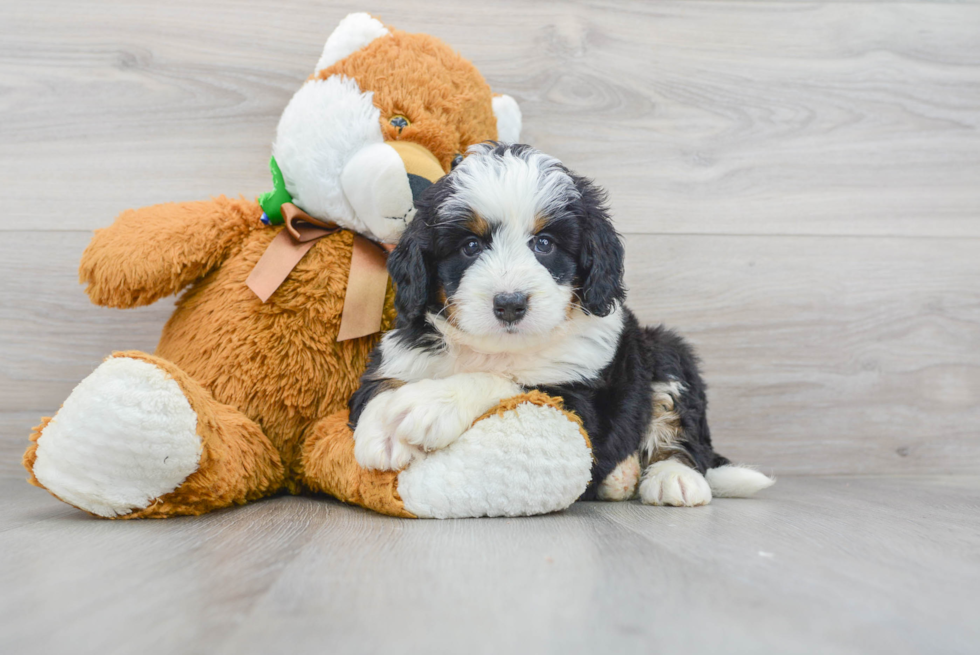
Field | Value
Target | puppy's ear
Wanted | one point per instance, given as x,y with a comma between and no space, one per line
407,265
601,255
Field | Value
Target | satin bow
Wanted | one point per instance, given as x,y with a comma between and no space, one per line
367,278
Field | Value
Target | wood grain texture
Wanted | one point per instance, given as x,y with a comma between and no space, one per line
799,185
834,355
814,565
53,335
178,587
823,355
700,117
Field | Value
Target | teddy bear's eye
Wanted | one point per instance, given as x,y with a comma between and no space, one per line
400,122
457,160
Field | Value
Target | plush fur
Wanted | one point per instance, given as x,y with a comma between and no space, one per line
241,398
526,455
235,460
428,86
313,154
354,32
427,415
509,120
512,275
520,458
131,424
278,363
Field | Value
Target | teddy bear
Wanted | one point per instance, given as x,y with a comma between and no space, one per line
282,303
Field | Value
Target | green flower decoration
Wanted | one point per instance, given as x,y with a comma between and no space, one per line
272,201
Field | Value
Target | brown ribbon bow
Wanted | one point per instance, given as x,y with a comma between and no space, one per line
367,279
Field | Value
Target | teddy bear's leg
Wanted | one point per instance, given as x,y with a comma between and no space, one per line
525,456
328,466
139,438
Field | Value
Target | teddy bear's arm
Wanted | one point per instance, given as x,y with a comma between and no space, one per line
155,251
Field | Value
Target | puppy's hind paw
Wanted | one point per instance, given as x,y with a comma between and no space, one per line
668,482
621,483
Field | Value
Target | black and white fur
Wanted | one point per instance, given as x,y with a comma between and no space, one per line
511,278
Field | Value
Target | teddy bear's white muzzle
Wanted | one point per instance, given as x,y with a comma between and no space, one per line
381,182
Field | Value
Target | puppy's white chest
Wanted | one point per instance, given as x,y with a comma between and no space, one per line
523,367
577,354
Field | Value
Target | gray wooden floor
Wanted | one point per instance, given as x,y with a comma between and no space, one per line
799,189
814,565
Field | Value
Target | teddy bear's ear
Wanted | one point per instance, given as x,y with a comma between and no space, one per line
352,34
508,116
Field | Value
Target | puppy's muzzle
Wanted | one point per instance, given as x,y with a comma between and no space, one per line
509,308
382,181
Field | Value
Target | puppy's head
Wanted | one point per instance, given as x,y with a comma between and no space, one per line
506,249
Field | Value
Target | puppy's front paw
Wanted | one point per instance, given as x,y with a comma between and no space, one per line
431,414
398,426
375,444
669,482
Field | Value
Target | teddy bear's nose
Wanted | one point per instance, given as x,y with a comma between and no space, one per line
421,165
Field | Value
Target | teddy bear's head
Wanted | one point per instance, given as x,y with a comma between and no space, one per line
386,114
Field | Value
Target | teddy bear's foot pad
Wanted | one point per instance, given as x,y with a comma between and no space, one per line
525,461
124,437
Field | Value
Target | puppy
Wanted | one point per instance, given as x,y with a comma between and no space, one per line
510,278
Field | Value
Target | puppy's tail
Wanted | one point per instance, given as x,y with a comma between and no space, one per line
736,481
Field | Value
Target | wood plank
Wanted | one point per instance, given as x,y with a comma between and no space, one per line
835,537
828,565
23,507
15,430
700,117
53,335
834,355
843,355
87,585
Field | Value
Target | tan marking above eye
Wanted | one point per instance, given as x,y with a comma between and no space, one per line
540,222
478,225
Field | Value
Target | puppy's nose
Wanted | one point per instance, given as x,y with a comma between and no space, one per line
510,307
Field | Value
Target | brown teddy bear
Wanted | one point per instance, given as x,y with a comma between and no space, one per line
245,398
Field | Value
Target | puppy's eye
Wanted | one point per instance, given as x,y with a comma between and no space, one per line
472,247
457,160
543,245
